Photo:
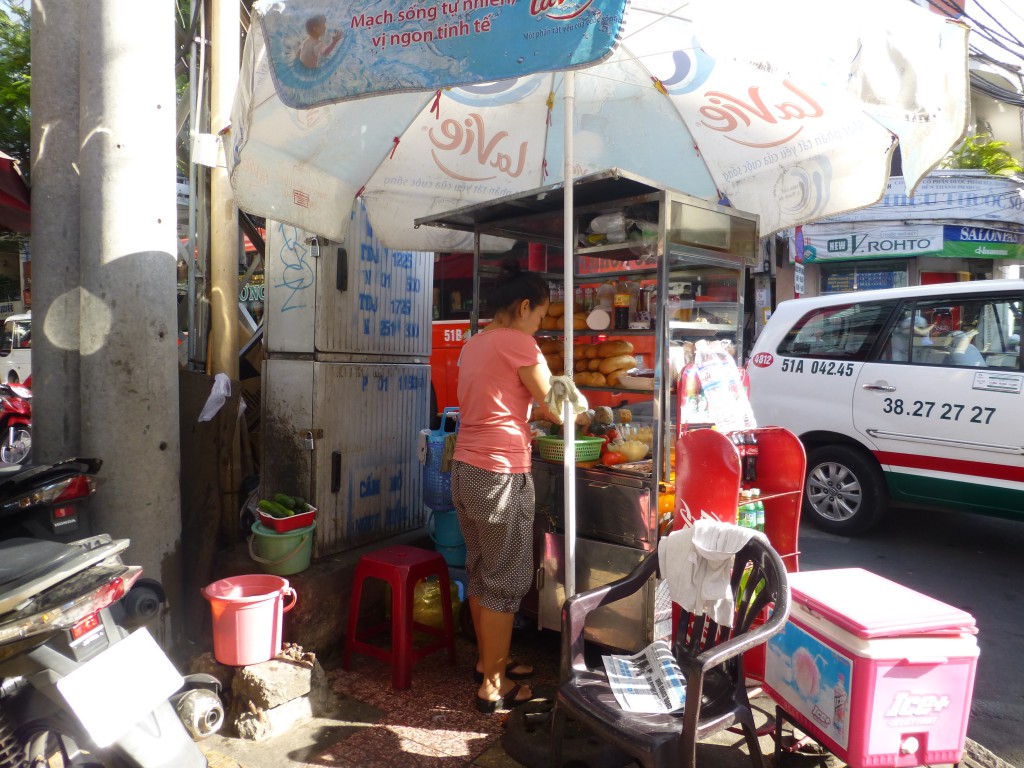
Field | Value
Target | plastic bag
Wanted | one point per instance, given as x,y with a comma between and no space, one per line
426,603
722,387
609,223
220,393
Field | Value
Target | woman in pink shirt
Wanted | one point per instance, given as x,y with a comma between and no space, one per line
501,373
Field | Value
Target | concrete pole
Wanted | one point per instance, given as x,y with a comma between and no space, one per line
224,235
129,369
56,422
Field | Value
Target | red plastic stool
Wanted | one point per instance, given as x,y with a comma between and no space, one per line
402,567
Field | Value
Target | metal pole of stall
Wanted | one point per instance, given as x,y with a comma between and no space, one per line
568,426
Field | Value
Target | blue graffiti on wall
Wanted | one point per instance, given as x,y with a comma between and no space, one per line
298,273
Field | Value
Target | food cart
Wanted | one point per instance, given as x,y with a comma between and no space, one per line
688,258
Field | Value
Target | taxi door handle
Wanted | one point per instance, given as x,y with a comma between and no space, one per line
879,388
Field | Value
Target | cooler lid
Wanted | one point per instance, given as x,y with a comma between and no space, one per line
867,605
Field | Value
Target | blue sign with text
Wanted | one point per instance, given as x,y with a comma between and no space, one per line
324,51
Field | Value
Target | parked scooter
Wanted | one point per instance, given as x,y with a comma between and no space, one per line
76,689
43,501
15,423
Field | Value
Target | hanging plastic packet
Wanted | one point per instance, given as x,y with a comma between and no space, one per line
722,386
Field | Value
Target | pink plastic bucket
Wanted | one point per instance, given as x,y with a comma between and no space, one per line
248,612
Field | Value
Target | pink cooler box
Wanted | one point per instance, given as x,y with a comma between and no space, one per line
878,673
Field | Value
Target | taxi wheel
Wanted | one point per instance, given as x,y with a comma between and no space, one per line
844,492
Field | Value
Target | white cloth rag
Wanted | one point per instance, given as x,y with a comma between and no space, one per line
696,562
562,390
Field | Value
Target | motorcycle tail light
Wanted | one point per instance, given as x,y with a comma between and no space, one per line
68,490
70,614
77,487
85,626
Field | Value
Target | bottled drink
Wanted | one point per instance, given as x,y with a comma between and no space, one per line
749,453
758,509
621,301
746,516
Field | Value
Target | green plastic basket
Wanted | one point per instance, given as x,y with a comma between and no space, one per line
553,448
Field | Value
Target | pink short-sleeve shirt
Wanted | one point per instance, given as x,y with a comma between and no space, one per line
494,404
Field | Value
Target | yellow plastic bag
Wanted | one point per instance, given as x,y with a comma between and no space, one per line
426,603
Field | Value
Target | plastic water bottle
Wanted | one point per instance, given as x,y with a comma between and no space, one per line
746,516
758,509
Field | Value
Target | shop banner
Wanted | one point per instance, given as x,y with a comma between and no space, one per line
982,243
947,195
325,51
838,242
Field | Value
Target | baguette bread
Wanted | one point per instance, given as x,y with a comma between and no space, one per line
549,323
590,379
609,364
613,348
582,350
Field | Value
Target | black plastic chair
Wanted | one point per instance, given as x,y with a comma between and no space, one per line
710,656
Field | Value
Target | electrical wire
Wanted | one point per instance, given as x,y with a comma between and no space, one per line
1002,38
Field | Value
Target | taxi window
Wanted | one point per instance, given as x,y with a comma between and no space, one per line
967,332
844,332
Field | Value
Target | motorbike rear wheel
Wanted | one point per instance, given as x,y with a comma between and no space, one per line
17,444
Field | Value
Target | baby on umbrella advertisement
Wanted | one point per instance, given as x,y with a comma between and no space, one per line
813,679
325,51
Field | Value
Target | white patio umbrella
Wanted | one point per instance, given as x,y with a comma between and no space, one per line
789,110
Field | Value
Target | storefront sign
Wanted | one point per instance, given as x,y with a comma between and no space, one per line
836,242
982,243
861,280
947,195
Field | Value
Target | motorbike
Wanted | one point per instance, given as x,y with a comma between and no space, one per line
43,500
15,423
77,689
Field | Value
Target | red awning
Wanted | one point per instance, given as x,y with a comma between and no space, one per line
14,197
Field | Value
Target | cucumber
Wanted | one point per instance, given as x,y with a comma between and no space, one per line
285,500
273,508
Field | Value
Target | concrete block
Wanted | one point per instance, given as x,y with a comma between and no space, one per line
273,682
264,724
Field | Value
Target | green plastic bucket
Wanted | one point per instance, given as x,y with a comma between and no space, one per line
281,554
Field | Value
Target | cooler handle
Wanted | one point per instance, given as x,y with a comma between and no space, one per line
934,661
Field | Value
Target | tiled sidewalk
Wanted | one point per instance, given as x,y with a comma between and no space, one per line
434,723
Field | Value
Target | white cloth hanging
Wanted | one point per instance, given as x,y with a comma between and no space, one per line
562,390
696,562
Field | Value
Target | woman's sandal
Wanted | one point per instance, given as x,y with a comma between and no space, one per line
510,673
507,701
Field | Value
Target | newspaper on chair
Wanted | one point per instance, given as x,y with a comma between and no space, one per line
649,681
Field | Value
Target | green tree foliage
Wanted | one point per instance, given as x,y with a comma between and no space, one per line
980,152
15,81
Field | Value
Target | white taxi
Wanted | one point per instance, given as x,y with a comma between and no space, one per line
905,394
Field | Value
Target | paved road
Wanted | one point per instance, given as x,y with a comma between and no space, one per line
973,563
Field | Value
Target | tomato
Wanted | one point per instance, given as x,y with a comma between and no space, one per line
611,458
612,433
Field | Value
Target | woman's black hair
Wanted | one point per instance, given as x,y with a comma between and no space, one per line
513,285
